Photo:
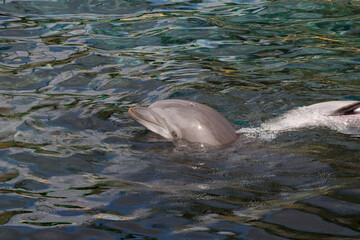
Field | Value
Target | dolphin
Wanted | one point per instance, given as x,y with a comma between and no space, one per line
342,116
194,122
181,120
337,108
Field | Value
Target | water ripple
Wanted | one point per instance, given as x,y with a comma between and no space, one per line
73,164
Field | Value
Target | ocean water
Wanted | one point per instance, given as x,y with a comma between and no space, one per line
74,165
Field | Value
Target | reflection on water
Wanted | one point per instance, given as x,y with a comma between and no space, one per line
74,165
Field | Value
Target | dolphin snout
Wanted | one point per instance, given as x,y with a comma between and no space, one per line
131,111
141,115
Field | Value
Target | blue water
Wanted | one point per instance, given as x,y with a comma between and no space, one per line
73,165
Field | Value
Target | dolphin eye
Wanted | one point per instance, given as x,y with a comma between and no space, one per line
174,134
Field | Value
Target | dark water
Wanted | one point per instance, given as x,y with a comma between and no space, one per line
75,166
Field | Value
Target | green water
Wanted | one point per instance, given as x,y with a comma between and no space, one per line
74,165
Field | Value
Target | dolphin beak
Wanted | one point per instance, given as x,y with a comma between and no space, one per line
148,119
141,114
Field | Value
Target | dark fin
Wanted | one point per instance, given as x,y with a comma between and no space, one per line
346,110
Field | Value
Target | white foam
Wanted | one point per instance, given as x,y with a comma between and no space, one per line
304,117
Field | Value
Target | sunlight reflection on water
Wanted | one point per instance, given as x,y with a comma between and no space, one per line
74,165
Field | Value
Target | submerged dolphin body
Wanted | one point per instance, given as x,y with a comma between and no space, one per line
184,120
337,108
342,116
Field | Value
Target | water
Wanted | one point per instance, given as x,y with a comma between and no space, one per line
74,165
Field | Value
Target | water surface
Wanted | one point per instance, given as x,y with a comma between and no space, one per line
74,165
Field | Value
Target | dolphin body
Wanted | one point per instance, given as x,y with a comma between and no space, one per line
341,116
337,108
193,122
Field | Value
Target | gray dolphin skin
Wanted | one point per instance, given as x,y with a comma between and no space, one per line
193,122
337,108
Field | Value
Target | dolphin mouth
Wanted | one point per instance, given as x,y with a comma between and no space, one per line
148,119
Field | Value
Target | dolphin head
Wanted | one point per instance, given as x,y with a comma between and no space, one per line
184,120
